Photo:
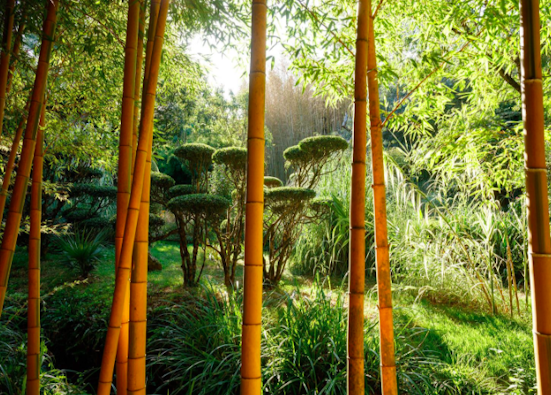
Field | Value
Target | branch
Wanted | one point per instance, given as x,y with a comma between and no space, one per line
391,114
330,31
377,9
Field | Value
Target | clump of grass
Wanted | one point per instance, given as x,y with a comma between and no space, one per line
195,347
82,250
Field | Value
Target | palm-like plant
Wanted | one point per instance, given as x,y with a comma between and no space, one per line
82,250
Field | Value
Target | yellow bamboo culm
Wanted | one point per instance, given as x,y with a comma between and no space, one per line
138,290
251,380
11,161
539,240
138,80
5,57
356,281
386,326
124,175
27,153
125,261
138,282
33,305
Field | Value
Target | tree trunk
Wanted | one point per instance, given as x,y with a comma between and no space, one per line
251,381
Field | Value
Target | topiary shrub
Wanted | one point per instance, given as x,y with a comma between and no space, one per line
272,182
193,215
308,158
198,159
181,190
231,169
94,191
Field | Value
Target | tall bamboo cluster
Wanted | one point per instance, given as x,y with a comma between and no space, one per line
13,221
384,291
251,380
138,284
124,175
33,305
539,240
143,152
356,281
5,57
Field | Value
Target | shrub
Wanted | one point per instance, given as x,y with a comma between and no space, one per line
272,182
82,250
94,191
181,190
234,157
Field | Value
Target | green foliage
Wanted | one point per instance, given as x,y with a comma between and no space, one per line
288,195
272,182
197,346
199,203
320,147
82,250
233,157
94,191
181,190
161,181
195,153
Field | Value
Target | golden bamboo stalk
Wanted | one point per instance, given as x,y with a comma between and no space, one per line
386,326
27,153
539,240
11,161
5,57
125,176
33,305
123,272
138,280
139,64
251,380
356,280
138,290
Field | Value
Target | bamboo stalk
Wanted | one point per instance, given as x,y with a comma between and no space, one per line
33,305
138,284
386,327
9,17
125,177
356,280
130,229
251,377
139,64
539,240
20,189
11,161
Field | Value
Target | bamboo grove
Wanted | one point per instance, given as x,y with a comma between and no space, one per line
124,352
